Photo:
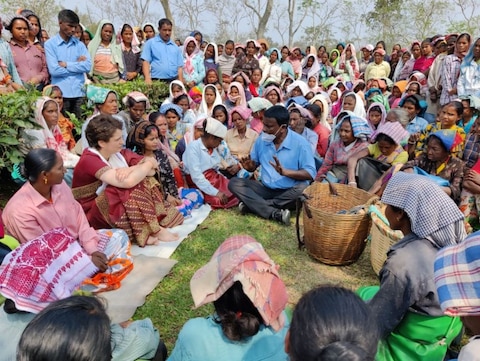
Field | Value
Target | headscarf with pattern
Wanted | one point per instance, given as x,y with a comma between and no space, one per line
433,214
241,258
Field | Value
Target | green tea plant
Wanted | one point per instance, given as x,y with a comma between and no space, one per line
16,115
156,93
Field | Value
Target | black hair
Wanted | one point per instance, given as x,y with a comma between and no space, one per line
375,108
222,108
413,99
230,42
457,105
236,314
381,137
9,26
77,328
180,97
133,139
359,86
68,16
285,47
164,21
332,323
125,27
315,109
38,161
101,128
426,40
465,35
29,13
152,117
383,44
279,113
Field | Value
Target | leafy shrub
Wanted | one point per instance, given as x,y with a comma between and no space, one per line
156,93
16,115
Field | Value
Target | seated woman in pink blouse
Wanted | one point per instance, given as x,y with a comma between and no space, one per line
45,203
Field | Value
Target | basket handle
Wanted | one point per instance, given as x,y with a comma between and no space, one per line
332,188
301,201
371,201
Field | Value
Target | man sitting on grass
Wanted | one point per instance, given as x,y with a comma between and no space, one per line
287,165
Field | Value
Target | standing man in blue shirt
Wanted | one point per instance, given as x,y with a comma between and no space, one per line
287,164
68,61
162,58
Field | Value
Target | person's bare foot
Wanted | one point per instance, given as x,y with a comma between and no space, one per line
152,240
164,235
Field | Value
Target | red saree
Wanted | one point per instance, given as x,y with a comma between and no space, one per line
140,211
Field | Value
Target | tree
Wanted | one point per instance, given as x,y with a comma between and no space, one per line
355,27
46,10
231,18
119,12
384,19
166,9
256,14
190,12
423,18
470,16
321,30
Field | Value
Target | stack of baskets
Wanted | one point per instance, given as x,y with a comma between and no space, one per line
382,238
332,238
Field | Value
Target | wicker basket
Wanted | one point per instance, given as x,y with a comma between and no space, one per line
382,238
335,239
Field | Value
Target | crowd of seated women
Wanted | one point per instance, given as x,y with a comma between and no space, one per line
131,173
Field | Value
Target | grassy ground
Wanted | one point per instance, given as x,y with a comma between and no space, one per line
170,304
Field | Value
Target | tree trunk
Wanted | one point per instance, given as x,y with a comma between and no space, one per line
262,24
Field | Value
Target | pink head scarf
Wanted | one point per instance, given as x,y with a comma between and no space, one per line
241,258
188,66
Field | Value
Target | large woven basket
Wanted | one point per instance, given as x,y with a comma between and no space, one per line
332,238
382,238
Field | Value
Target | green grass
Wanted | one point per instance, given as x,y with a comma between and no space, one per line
170,305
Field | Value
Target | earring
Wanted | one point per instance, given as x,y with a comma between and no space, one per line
45,180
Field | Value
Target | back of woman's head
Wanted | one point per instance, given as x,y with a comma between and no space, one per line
73,329
237,314
332,323
38,161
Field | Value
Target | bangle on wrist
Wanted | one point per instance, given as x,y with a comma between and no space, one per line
352,182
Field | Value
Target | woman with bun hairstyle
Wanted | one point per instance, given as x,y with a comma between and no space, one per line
331,323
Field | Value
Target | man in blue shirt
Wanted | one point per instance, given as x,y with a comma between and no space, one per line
162,58
68,61
287,168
